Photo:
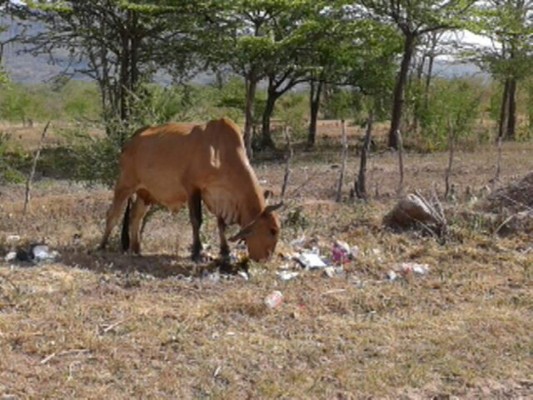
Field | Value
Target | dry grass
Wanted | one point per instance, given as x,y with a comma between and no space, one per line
105,325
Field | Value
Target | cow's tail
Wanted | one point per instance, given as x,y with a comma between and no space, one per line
125,234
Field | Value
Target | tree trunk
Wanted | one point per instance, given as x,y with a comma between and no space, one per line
503,110
429,76
360,182
251,86
314,101
272,97
399,90
511,114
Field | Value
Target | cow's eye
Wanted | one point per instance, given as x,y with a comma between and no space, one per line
273,232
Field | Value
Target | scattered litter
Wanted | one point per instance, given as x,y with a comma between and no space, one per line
287,275
340,253
274,299
331,272
42,252
407,269
10,256
12,239
244,275
311,260
213,277
334,291
36,253
392,276
285,266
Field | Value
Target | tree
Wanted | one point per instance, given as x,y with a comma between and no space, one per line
119,44
508,25
353,52
259,39
239,37
414,19
290,64
7,13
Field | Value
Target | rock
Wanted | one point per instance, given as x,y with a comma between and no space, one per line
409,211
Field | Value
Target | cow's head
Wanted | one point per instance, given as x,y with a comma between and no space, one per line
261,235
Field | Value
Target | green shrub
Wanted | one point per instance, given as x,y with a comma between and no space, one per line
453,104
91,159
11,163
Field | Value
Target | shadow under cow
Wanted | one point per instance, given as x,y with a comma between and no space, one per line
156,265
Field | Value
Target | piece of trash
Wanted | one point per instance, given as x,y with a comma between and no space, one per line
334,291
213,277
287,275
311,260
340,253
392,276
274,299
354,252
284,266
331,272
407,269
36,253
12,239
41,252
244,275
10,256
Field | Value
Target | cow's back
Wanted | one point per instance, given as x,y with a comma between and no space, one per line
172,160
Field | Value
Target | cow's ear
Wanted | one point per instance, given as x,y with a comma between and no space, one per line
272,207
268,193
242,234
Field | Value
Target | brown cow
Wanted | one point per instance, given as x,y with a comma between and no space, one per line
175,164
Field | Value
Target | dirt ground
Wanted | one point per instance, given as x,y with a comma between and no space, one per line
102,324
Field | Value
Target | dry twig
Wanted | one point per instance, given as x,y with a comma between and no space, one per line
343,165
400,161
287,162
451,150
360,183
33,167
496,178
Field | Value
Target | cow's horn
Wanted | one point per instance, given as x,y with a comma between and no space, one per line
242,234
272,207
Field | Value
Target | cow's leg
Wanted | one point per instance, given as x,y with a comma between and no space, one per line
195,215
139,210
224,247
115,211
